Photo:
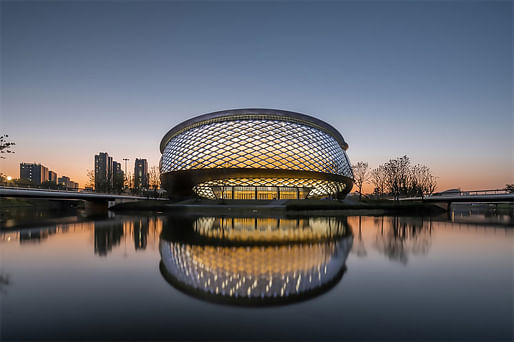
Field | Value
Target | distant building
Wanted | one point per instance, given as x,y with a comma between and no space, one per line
103,172
35,173
52,177
108,173
141,174
118,178
116,168
67,183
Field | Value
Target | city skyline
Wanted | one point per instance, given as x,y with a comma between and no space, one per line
432,81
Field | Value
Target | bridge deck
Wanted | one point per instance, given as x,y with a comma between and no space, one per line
471,198
57,194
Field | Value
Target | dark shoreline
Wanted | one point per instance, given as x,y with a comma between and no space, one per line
282,207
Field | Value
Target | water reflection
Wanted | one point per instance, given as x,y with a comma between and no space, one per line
483,213
107,237
400,237
110,233
254,261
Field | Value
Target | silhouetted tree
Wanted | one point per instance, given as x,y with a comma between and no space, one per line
90,179
509,188
378,179
154,177
397,173
22,182
5,146
49,185
360,175
117,182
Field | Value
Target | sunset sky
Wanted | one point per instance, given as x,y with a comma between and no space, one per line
427,79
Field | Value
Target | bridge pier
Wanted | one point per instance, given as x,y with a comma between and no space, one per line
96,207
443,205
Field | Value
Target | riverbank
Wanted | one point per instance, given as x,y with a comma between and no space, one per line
282,207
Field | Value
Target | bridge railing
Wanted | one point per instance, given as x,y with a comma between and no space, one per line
471,193
67,190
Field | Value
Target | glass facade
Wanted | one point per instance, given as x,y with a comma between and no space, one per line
258,142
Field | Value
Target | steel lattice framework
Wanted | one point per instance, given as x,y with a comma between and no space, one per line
262,148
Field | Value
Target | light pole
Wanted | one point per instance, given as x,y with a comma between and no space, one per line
126,175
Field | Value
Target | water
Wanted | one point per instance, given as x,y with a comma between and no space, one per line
158,277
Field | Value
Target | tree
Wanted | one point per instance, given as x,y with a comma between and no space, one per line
397,173
428,182
360,175
118,180
403,179
378,179
90,179
154,177
49,185
5,146
509,188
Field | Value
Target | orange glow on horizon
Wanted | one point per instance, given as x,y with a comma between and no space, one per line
458,175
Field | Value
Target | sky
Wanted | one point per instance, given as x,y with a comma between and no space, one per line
428,79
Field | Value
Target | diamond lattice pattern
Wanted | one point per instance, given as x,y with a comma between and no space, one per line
267,144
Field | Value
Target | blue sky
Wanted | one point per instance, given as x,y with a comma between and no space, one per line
430,79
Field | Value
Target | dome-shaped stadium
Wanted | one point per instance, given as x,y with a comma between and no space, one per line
259,154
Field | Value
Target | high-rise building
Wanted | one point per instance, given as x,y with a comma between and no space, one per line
52,177
141,174
36,173
116,168
117,177
103,172
108,174
67,183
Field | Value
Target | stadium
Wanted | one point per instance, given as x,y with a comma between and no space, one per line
259,154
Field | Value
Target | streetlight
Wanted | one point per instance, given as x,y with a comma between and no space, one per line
126,176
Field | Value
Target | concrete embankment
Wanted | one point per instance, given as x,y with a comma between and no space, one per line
281,207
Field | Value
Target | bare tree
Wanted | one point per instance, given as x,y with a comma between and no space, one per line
5,146
428,182
378,179
509,188
90,179
403,179
398,176
154,177
416,178
360,175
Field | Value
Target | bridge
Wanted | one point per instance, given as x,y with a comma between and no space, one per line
93,200
445,199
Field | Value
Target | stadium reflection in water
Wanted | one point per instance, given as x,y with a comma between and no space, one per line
254,261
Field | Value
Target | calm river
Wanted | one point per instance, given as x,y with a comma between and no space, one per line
159,277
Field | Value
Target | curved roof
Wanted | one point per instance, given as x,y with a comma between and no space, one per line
253,113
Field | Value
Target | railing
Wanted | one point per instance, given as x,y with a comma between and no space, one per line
74,190
472,193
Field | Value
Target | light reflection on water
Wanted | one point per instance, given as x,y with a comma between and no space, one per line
338,278
255,261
